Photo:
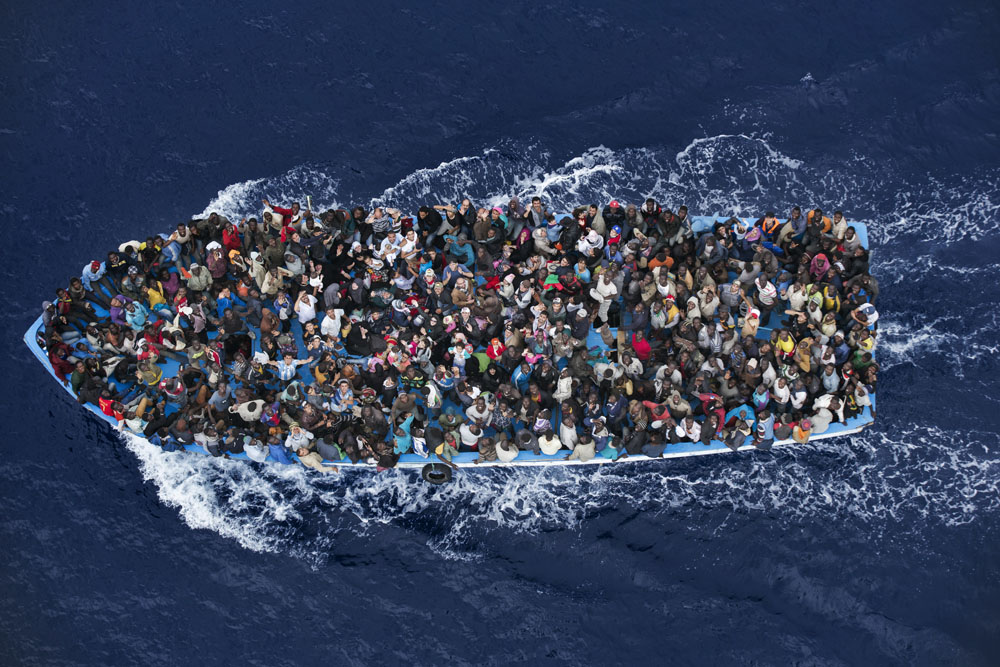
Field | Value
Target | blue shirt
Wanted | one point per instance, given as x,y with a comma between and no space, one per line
842,353
279,454
521,379
137,318
768,425
405,441
776,249
615,410
553,231
87,276
227,302
286,371
463,252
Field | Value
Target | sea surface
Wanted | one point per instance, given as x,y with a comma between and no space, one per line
121,119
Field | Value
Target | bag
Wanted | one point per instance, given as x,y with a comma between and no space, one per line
250,412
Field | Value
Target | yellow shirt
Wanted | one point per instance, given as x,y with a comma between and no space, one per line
156,296
786,345
672,311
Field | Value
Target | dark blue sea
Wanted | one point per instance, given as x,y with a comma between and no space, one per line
121,119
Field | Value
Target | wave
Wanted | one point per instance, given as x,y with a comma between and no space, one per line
869,481
949,213
928,242
241,200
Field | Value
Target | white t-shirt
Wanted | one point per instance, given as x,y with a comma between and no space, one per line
693,431
474,414
468,437
306,309
389,250
256,453
549,446
331,325
434,398
507,455
871,315
407,246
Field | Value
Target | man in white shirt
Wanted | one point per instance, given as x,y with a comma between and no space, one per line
470,434
604,292
332,322
255,450
549,443
765,298
433,400
388,250
692,429
865,314
305,307
479,413
506,450
590,241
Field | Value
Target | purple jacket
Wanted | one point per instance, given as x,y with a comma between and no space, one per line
118,312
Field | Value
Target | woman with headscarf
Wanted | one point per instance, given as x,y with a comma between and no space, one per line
819,266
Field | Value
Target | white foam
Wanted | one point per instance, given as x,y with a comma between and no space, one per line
244,199
228,497
690,157
870,479
928,343
419,182
232,200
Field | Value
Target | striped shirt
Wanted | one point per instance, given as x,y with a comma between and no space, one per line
286,371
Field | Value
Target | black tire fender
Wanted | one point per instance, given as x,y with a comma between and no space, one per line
436,473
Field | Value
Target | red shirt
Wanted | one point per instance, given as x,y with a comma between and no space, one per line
61,367
642,349
706,402
107,407
232,239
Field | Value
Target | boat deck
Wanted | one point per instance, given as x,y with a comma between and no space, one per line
856,424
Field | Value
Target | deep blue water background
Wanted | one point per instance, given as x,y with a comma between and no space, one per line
878,549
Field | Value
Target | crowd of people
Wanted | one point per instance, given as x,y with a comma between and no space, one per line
352,335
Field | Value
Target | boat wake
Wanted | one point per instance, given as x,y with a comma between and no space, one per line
925,242
911,477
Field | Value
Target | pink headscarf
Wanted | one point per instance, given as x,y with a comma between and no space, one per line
819,266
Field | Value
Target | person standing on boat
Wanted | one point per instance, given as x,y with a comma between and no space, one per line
604,292
287,367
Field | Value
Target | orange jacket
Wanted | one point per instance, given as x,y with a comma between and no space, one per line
827,223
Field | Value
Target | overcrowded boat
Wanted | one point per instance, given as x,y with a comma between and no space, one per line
474,336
